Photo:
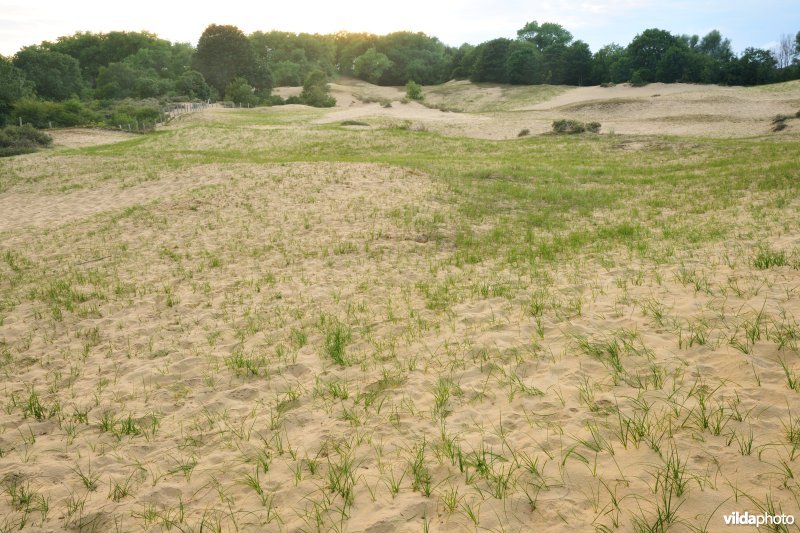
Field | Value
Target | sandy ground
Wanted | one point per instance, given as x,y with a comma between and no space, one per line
165,341
80,137
658,109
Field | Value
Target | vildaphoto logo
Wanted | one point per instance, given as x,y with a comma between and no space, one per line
747,519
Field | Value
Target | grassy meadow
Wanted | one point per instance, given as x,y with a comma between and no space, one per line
257,320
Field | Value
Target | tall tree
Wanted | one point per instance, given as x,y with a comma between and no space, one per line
99,50
714,46
610,64
647,49
673,64
55,76
545,35
13,86
797,44
578,64
784,51
371,65
414,56
461,62
524,63
224,53
490,61
754,67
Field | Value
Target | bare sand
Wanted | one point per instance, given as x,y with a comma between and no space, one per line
502,112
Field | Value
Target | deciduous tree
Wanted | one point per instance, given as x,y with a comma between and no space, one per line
224,53
55,76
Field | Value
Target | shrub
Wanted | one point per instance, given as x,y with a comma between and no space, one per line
136,113
353,123
274,99
638,79
315,90
414,90
42,114
317,97
523,133
241,93
16,140
568,127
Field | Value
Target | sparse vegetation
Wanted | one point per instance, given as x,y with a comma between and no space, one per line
263,319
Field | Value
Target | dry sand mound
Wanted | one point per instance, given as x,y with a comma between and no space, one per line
501,112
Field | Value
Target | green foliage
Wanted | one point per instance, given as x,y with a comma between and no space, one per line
224,53
55,76
766,258
754,67
240,92
291,57
192,84
611,64
43,114
413,56
16,140
137,112
524,63
545,35
638,79
95,50
490,61
414,90
647,49
564,126
577,60
139,65
371,65
315,91
13,86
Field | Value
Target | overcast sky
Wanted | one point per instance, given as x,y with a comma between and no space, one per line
598,22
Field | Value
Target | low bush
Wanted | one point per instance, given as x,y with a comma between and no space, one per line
414,90
524,132
16,140
568,127
44,114
274,99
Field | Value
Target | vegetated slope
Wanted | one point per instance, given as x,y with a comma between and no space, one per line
263,322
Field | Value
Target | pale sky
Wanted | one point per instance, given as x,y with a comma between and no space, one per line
598,22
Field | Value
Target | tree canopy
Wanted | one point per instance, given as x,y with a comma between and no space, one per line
78,69
224,53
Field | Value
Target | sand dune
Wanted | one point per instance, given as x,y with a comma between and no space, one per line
391,330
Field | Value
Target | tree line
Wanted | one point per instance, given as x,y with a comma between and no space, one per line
103,77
